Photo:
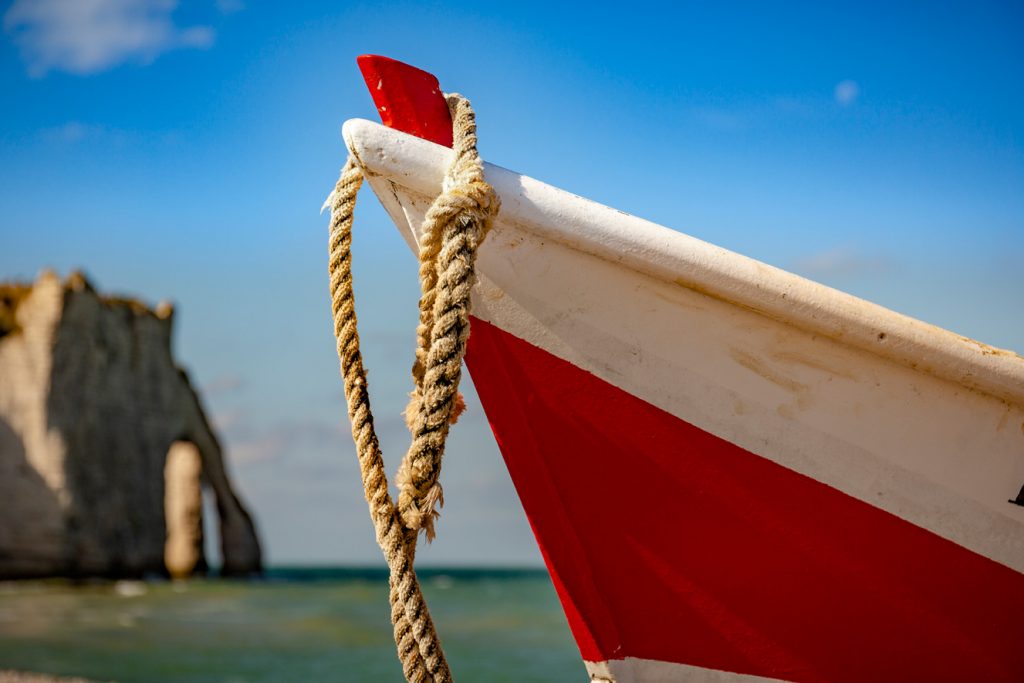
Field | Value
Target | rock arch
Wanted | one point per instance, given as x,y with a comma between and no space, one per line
94,405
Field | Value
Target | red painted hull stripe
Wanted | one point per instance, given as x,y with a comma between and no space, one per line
665,542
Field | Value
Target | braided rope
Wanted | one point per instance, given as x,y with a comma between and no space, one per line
453,229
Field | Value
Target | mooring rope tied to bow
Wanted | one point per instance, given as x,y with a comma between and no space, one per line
454,227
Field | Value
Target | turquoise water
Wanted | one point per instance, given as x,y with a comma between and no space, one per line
298,625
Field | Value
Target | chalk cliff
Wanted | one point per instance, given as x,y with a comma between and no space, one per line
104,443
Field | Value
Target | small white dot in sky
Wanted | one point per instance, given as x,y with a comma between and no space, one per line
846,92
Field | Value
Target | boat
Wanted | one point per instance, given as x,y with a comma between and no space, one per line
733,473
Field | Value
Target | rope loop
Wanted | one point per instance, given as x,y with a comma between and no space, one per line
454,228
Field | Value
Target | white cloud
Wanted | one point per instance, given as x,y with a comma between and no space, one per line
87,36
847,92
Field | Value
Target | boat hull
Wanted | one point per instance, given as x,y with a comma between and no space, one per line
732,471
669,544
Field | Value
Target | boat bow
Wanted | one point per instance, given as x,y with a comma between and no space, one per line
731,469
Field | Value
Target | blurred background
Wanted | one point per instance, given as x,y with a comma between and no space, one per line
182,151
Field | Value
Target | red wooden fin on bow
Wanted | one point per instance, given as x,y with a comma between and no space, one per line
408,99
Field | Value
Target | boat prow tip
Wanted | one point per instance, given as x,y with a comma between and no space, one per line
354,132
407,98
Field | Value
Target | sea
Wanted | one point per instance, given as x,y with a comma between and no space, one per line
296,624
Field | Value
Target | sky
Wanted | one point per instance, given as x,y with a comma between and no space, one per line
182,151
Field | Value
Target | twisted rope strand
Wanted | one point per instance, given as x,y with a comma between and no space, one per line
414,634
466,169
453,229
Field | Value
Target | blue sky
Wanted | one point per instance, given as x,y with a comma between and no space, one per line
183,152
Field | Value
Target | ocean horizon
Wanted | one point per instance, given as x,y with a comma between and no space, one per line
297,623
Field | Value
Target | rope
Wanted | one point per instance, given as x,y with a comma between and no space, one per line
454,227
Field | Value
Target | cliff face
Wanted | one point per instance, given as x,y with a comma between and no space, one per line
103,442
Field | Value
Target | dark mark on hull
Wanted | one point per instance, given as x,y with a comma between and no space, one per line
1019,500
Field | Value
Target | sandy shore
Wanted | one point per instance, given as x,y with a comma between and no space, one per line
26,677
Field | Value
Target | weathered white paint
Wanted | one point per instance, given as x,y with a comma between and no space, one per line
418,166
913,419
